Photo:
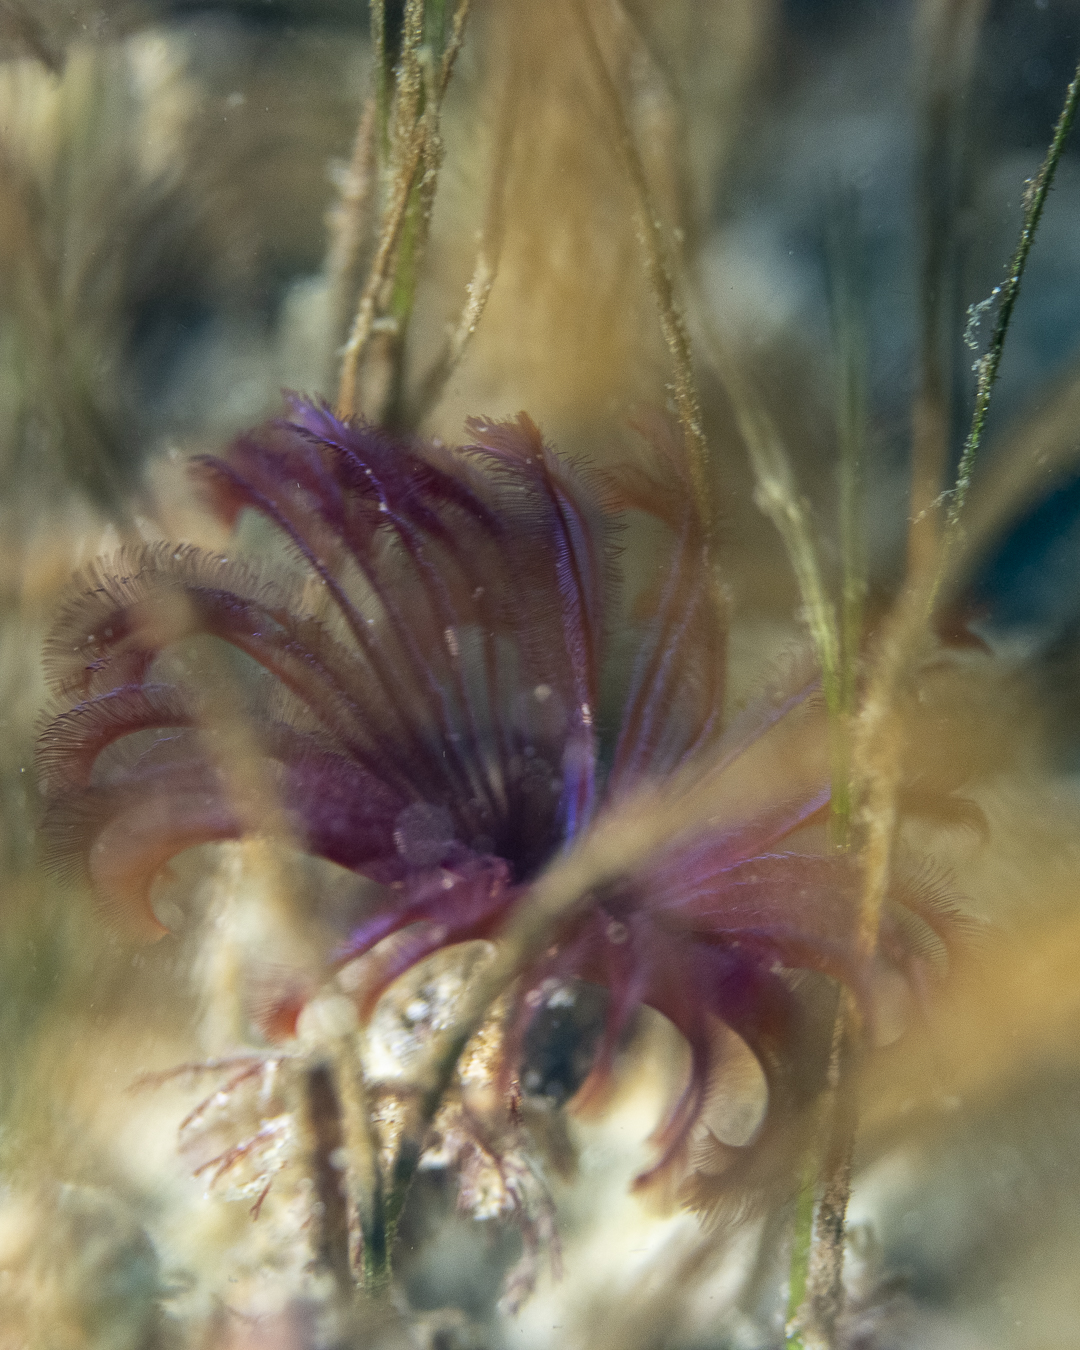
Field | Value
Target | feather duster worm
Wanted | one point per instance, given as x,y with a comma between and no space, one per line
455,720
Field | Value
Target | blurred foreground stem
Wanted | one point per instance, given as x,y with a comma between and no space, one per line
659,269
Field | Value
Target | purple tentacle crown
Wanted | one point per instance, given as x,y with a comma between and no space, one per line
447,717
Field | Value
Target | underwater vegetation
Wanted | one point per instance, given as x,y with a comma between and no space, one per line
565,833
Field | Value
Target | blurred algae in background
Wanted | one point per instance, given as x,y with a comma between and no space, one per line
188,216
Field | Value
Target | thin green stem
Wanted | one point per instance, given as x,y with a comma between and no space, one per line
850,335
987,366
435,24
802,1238
382,79
404,288
815,1299
330,1212
852,429
366,1184
816,1263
